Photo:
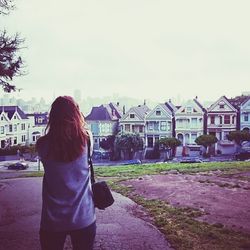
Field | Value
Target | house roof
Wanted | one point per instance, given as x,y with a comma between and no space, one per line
230,104
245,101
239,100
199,104
118,111
105,112
10,110
197,107
170,106
140,110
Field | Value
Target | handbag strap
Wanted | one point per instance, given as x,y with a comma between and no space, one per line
92,174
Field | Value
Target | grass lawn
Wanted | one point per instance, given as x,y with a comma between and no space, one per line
179,225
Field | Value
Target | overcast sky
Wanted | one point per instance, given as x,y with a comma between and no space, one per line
139,48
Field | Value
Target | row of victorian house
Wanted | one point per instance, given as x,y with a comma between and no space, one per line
18,128
185,122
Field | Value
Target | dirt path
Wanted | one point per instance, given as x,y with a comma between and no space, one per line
224,198
117,227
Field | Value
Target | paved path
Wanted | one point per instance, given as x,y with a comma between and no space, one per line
117,227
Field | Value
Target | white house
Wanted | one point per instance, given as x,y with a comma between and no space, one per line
159,123
37,126
13,126
189,122
133,121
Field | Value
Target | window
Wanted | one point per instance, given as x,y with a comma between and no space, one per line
179,123
225,136
150,142
212,119
150,126
221,106
156,139
169,126
233,120
189,109
140,129
220,135
193,137
127,127
23,126
227,119
2,118
10,127
156,126
15,127
40,119
2,130
23,138
15,141
220,119
246,118
158,112
194,122
163,125
132,116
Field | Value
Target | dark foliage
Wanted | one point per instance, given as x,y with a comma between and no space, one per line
10,63
239,136
6,6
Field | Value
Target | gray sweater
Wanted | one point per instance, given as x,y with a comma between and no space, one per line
67,195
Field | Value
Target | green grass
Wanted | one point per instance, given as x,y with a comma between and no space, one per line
148,169
133,171
182,230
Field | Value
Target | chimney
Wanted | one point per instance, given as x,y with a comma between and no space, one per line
144,102
123,109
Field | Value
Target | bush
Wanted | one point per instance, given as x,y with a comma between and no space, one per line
218,152
206,155
152,154
13,150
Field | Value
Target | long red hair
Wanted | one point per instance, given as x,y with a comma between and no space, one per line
65,133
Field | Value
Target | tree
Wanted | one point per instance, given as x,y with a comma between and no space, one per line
239,136
10,63
108,144
170,144
6,6
206,141
128,144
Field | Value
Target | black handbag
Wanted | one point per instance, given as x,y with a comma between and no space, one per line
102,195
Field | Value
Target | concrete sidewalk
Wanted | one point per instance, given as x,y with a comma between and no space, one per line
117,227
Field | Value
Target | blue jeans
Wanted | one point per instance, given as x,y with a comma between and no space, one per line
82,239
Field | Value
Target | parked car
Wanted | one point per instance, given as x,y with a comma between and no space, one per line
101,155
18,166
131,162
191,160
241,156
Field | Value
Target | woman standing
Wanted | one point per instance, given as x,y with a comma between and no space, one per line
67,205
